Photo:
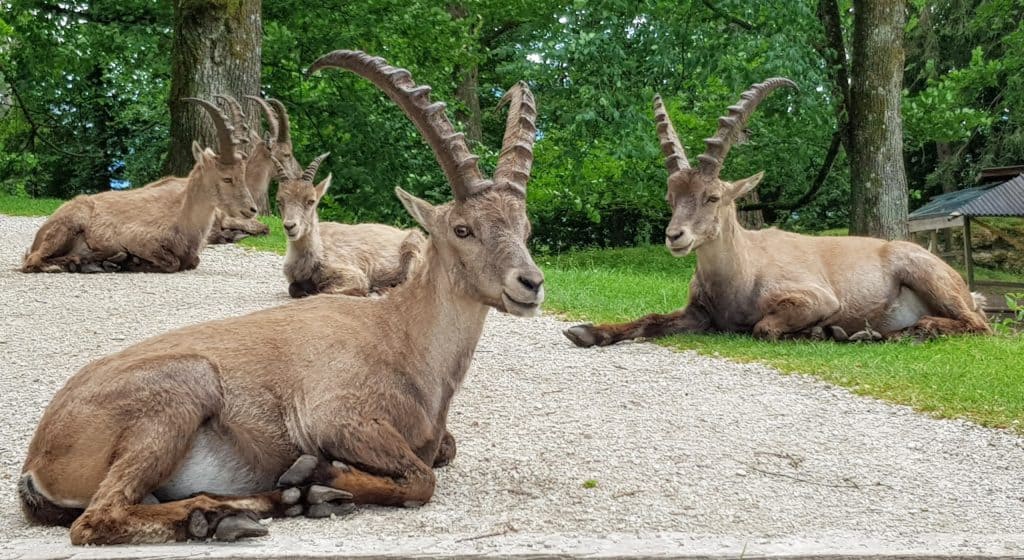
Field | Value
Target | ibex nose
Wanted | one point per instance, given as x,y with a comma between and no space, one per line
254,210
673,235
531,280
289,226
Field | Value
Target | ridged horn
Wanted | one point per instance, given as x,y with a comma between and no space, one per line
272,124
282,173
225,132
516,158
731,125
671,147
313,166
459,164
284,130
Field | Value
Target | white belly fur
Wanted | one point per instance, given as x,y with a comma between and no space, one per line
904,312
212,465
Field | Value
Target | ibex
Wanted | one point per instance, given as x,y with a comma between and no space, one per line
773,283
348,397
146,229
259,168
351,259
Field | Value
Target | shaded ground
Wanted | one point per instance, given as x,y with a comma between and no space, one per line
690,454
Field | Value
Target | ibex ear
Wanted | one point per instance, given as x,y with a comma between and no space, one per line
421,210
743,186
197,152
321,187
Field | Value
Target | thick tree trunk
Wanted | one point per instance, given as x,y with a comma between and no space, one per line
878,182
754,218
216,49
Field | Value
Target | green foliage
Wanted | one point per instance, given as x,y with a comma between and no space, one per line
974,377
84,85
1015,322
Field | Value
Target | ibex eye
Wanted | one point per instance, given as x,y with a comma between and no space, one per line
713,199
229,180
462,232
310,202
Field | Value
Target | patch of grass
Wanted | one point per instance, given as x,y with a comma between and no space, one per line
590,483
980,378
274,242
22,206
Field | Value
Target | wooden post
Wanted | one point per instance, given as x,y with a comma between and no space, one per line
933,241
968,262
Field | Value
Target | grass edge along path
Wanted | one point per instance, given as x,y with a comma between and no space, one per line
973,377
978,378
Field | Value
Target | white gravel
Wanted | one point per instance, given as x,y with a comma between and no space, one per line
690,454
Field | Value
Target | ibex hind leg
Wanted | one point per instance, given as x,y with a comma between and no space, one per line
56,238
954,309
149,450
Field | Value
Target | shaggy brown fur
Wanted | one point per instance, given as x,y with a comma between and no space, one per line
348,397
775,284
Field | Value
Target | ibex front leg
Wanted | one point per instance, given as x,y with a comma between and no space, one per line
372,463
690,319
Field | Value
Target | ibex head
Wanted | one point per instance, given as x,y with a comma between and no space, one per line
297,197
698,196
481,235
223,173
278,142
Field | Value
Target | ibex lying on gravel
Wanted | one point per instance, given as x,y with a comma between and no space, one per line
351,259
348,397
773,283
146,229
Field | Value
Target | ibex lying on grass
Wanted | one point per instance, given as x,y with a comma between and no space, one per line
351,259
773,283
147,229
348,397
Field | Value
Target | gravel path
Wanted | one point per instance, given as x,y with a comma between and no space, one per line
691,454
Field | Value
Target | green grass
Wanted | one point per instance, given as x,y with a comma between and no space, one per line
274,242
22,206
980,378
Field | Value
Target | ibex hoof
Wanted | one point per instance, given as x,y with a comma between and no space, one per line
866,335
581,335
838,333
817,333
320,511
238,527
319,494
299,472
198,526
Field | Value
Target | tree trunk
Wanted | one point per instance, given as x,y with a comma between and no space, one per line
754,218
216,49
878,182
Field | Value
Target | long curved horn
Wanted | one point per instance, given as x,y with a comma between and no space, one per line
238,120
450,149
282,173
284,131
730,126
272,124
225,132
313,166
671,147
516,158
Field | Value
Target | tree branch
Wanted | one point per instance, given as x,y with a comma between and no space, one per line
728,17
834,53
819,180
